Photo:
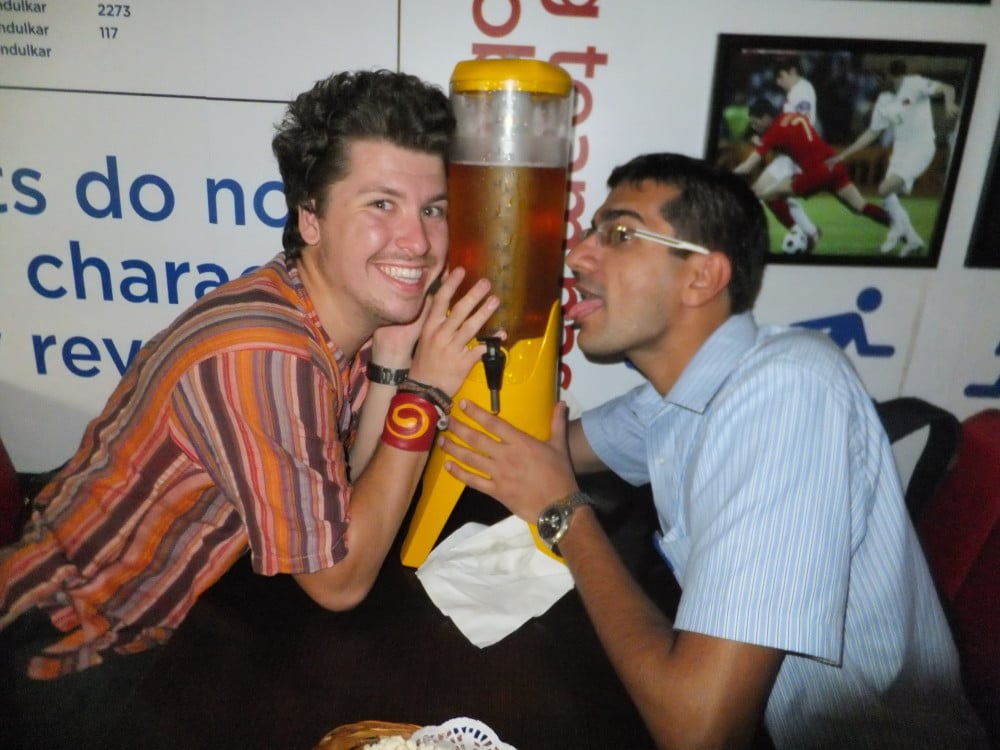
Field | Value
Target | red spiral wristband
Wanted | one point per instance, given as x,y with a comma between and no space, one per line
411,423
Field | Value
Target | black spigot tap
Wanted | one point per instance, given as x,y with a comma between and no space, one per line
493,362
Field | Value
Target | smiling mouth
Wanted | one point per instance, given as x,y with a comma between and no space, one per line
405,274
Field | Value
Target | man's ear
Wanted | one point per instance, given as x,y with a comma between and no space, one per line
308,225
710,278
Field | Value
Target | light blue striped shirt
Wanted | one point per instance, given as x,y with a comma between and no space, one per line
783,520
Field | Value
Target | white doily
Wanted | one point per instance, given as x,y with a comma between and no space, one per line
462,734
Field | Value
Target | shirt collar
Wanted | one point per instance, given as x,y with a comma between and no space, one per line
713,363
363,356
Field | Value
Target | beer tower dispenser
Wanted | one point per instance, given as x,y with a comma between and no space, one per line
507,181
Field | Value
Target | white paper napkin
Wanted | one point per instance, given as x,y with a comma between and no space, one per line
490,580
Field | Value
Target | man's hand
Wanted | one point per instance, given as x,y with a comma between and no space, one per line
447,348
522,472
443,357
393,345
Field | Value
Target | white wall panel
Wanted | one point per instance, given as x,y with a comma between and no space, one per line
181,94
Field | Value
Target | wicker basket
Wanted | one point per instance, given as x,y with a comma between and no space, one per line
355,736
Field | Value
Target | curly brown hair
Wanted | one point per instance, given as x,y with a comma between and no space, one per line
313,138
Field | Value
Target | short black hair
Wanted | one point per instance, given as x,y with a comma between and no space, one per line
714,208
313,139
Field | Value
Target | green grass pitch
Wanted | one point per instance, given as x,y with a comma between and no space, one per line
849,234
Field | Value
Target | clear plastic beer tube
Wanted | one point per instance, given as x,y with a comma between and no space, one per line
508,186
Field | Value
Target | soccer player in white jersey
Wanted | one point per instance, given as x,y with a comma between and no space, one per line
800,97
905,112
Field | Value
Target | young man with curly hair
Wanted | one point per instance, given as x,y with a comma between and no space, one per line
264,419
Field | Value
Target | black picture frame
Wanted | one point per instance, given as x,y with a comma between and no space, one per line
848,76
984,246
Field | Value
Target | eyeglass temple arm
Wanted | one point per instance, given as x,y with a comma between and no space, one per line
668,241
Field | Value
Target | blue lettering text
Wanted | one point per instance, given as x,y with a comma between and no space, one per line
215,188
20,179
78,352
137,280
110,183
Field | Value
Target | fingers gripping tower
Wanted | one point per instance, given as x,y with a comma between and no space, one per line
507,182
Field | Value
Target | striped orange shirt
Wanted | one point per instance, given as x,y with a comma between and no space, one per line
229,432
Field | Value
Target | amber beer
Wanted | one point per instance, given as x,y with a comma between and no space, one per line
508,224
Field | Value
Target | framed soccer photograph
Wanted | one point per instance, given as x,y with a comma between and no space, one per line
852,145
984,247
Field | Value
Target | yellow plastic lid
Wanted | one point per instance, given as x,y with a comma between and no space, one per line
506,73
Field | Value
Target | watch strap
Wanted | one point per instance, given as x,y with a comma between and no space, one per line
568,504
385,375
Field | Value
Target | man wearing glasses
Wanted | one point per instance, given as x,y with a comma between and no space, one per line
806,602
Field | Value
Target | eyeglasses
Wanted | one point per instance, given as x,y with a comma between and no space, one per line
610,234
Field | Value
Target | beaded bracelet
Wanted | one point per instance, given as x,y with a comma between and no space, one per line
440,399
410,422
385,375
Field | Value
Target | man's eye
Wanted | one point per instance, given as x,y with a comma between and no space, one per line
436,212
619,235
382,203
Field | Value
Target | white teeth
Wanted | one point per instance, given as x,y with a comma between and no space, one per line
403,274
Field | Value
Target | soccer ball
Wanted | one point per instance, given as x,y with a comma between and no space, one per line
794,242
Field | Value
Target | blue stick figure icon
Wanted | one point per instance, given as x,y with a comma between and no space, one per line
848,327
984,390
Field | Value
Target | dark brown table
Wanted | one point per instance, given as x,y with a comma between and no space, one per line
258,665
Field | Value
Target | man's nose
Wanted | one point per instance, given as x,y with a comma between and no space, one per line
413,235
583,253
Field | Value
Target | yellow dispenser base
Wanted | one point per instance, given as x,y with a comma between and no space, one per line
527,398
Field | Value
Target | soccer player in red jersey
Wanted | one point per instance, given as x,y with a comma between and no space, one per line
793,134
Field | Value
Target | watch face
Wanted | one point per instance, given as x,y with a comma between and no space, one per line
549,523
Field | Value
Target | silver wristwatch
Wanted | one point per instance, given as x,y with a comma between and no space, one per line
553,522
